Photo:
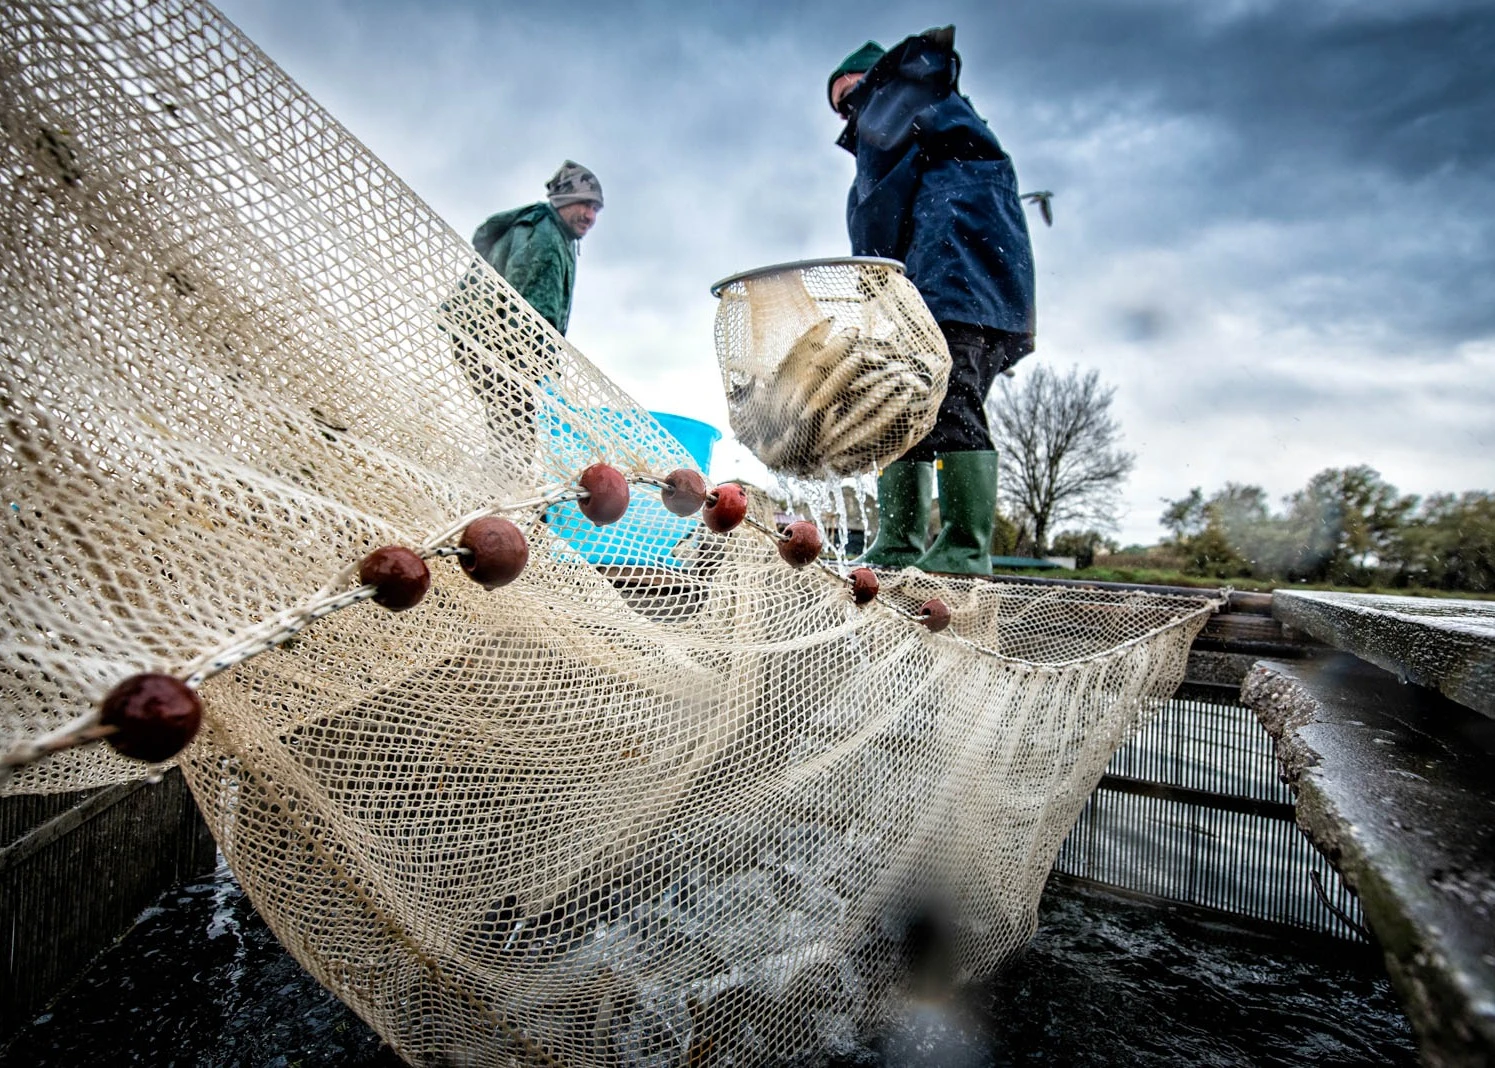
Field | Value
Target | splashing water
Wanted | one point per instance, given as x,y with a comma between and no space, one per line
826,502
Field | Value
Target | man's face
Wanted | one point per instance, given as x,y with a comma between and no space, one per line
579,217
840,87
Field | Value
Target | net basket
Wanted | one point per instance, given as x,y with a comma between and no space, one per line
831,367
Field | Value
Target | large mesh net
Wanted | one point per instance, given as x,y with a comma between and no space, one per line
662,799
831,367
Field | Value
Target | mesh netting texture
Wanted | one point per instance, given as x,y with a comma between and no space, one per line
831,367
662,799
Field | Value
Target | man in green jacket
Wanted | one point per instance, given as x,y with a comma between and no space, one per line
534,247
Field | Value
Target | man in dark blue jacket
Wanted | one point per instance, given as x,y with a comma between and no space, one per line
935,190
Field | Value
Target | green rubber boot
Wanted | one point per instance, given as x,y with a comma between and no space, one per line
903,491
968,511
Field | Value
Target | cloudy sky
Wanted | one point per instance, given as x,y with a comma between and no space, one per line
1274,221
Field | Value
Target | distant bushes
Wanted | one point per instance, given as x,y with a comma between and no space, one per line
1347,527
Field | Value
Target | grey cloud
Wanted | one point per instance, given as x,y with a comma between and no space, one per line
1360,131
1403,87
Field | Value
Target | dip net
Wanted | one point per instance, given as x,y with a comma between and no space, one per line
831,367
662,799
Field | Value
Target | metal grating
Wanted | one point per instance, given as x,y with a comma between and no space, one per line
75,871
1192,810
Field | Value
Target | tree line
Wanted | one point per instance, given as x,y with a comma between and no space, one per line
1062,464
1347,526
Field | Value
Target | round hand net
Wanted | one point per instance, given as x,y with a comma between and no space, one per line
662,799
831,367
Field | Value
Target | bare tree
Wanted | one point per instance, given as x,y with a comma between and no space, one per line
1058,446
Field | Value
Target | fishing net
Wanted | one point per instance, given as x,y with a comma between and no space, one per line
662,799
831,367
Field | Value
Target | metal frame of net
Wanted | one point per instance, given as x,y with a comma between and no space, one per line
661,799
831,367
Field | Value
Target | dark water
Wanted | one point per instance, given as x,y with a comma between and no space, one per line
201,982
1109,982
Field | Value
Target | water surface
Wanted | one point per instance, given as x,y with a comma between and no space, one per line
201,983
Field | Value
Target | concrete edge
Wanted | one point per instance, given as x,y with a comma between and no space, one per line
1454,663
1452,1013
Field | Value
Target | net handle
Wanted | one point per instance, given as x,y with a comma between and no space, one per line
798,265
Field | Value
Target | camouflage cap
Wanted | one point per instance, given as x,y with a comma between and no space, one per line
573,184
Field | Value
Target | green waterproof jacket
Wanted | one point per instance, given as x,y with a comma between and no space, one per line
533,249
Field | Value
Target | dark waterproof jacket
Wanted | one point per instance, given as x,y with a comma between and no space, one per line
533,249
935,190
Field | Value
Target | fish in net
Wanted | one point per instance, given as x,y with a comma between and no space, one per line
832,368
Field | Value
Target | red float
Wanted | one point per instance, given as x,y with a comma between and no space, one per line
683,492
934,614
154,716
800,543
725,508
864,585
497,551
607,491
400,577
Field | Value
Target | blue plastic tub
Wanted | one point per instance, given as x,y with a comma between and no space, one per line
647,533
698,438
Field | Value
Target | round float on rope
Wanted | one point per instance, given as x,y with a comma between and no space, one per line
155,716
934,614
607,494
800,543
399,576
683,491
725,508
864,585
496,551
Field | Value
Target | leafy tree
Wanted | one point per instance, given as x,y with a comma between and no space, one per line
1240,509
1082,545
1343,527
1347,526
1006,537
1199,534
1345,521
1058,444
1184,518
1263,544
1451,544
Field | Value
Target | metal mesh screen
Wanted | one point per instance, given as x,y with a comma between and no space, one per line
1192,809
